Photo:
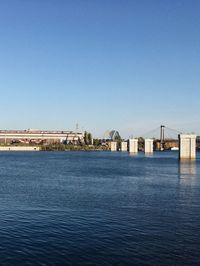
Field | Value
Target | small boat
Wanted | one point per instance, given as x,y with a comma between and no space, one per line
174,149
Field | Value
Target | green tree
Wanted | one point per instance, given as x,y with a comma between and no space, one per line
86,139
96,142
90,141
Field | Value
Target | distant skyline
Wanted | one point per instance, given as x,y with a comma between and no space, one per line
109,64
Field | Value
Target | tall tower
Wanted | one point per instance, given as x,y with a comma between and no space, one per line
162,137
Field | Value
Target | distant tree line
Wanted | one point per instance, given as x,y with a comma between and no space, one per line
88,138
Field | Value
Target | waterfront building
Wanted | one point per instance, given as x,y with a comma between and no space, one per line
39,136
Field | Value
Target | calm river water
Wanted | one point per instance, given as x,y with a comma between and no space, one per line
99,208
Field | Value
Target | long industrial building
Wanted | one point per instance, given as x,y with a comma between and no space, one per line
39,136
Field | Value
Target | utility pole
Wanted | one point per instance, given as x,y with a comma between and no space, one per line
77,127
162,137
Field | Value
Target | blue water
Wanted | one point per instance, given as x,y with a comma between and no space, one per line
98,208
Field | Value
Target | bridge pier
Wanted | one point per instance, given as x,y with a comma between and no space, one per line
187,146
133,145
113,146
123,146
148,146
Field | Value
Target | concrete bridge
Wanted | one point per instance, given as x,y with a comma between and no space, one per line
186,145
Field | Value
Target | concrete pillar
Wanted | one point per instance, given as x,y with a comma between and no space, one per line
187,146
133,145
148,146
113,146
123,146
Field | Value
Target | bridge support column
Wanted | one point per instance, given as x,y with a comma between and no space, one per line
133,145
187,146
113,146
123,146
148,146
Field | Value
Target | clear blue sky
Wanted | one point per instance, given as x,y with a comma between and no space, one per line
106,64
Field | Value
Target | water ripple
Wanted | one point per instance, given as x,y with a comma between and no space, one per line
98,209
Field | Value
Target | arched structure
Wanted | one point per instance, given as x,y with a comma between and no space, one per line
112,135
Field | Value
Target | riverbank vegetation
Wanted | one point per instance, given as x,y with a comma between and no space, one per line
63,147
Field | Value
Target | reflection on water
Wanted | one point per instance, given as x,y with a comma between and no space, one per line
133,154
187,172
149,155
